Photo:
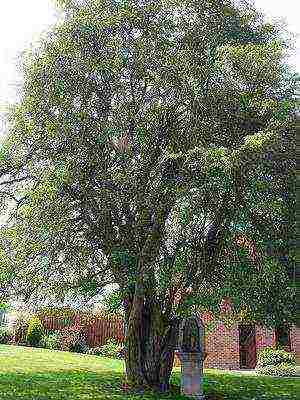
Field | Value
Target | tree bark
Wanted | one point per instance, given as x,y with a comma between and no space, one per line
150,345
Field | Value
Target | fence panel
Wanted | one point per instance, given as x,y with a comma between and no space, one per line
102,329
53,323
97,331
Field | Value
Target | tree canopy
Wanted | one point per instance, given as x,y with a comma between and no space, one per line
150,137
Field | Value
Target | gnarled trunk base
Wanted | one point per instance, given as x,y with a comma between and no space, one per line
150,352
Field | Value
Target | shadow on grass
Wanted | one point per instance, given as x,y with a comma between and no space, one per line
70,385
87,385
241,387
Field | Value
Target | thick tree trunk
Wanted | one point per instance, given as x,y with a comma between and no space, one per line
150,347
149,358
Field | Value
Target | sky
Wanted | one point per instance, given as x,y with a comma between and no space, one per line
22,22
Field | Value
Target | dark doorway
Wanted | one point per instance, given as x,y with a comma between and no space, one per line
247,344
283,338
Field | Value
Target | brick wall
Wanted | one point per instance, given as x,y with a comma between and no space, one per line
222,348
264,337
221,345
295,342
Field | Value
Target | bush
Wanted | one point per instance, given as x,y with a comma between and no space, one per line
35,332
94,351
121,353
111,349
57,312
65,315
51,341
20,328
73,339
6,335
4,307
276,362
283,369
272,357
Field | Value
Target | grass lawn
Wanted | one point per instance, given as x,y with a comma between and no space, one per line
38,374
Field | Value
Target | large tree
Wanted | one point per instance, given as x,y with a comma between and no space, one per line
146,136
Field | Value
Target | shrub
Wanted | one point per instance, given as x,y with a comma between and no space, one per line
270,356
111,349
4,307
121,353
65,315
94,351
35,332
58,312
283,369
72,338
276,362
6,335
20,328
51,341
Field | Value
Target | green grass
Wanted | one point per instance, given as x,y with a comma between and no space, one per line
38,374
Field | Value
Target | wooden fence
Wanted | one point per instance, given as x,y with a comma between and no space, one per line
97,331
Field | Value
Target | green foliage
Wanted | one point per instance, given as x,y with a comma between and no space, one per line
112,303
111,349
150,134
276,362
88,286
254,288
282,369
35,332
20,328
6,335
4,307
272,357
51,341
58,312
72,338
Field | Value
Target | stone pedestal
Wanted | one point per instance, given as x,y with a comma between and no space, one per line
191,375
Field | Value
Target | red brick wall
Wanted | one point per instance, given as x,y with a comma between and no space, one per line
221,345
222,348
264,337
295,342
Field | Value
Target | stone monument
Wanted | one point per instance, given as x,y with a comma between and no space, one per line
190,350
